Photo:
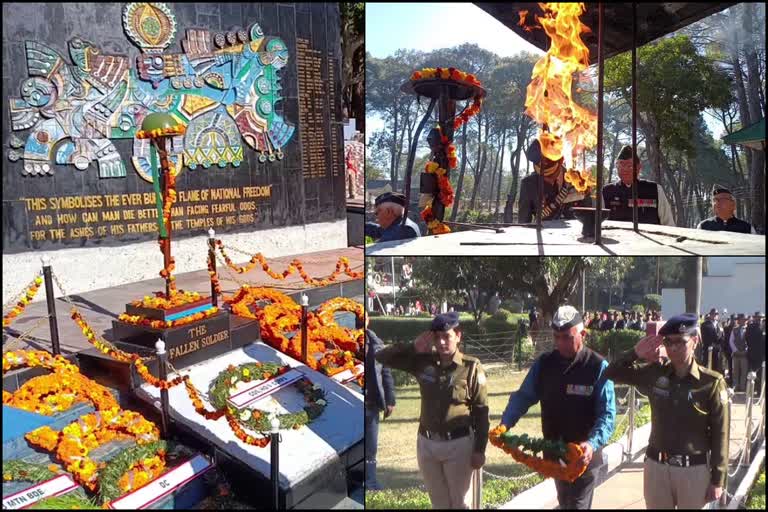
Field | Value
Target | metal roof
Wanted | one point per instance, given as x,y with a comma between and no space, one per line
752,136
653,21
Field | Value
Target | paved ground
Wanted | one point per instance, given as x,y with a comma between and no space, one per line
563,238
624,490
100,307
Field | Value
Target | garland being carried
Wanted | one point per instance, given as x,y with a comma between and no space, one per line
567,468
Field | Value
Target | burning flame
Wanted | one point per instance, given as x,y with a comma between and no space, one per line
549,101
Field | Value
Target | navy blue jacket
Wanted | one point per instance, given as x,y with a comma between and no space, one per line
379,384
394,232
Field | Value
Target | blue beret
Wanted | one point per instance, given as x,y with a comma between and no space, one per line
445,321
680,324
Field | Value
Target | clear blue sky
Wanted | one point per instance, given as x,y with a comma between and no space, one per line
429,26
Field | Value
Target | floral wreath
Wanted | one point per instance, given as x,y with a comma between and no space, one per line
131,469
255,419
568,468
445,190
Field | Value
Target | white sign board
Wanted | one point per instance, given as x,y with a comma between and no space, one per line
57,486
349,375
259,390
163,485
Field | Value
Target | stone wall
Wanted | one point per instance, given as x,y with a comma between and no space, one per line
300,204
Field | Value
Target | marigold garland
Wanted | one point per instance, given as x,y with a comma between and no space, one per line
29,294
166,324
160,301
570,471
131,469
457,76
293,266
75,441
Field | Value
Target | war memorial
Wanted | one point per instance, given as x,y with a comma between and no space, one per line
182,317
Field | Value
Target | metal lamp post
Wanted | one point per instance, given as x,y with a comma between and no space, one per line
443,92
158,128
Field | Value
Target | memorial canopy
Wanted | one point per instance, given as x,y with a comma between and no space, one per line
753,136
654,20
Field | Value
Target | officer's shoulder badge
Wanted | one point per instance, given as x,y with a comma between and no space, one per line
481,377
723,396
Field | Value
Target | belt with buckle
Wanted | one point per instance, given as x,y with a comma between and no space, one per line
682,461
445,436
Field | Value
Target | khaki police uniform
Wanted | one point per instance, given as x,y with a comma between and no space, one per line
453,422
688,447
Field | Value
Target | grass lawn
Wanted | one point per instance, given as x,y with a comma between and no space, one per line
398,471
756,498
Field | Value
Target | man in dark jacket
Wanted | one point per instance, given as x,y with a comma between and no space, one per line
756,346
652,204
379,396
712,336
559,196
724,208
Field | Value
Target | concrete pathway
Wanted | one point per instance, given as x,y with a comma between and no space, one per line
624,489
100,307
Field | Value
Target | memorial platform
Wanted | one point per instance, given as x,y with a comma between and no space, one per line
564,238
101,307
314,459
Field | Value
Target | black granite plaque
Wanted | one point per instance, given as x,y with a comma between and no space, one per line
68,207
187,344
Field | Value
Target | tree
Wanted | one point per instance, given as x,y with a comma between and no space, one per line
353,61
548,279
677,84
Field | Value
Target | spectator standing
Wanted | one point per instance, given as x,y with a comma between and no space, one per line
738,344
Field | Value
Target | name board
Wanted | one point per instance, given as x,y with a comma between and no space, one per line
264,389
57,486
349,375
198,337
163,485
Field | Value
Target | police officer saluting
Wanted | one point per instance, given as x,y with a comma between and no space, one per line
724,206
453,425
689,416
577,402
652,204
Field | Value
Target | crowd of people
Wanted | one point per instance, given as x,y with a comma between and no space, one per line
608,321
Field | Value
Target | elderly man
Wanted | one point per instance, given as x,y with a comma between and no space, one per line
390,207
652,204
453,424
724,206
577,402
687,456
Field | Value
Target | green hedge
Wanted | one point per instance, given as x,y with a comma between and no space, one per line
406,329
612,343
756,498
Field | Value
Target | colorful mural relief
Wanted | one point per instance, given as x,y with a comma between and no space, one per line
223,86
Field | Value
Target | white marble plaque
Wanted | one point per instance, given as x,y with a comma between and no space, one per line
258,390
349,375
57,486
163,485
302,451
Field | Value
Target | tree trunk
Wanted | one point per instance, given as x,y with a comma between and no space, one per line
392,168
482,155
514,162
460,185
501,175
757,169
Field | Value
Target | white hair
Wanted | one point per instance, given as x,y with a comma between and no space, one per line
398,209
